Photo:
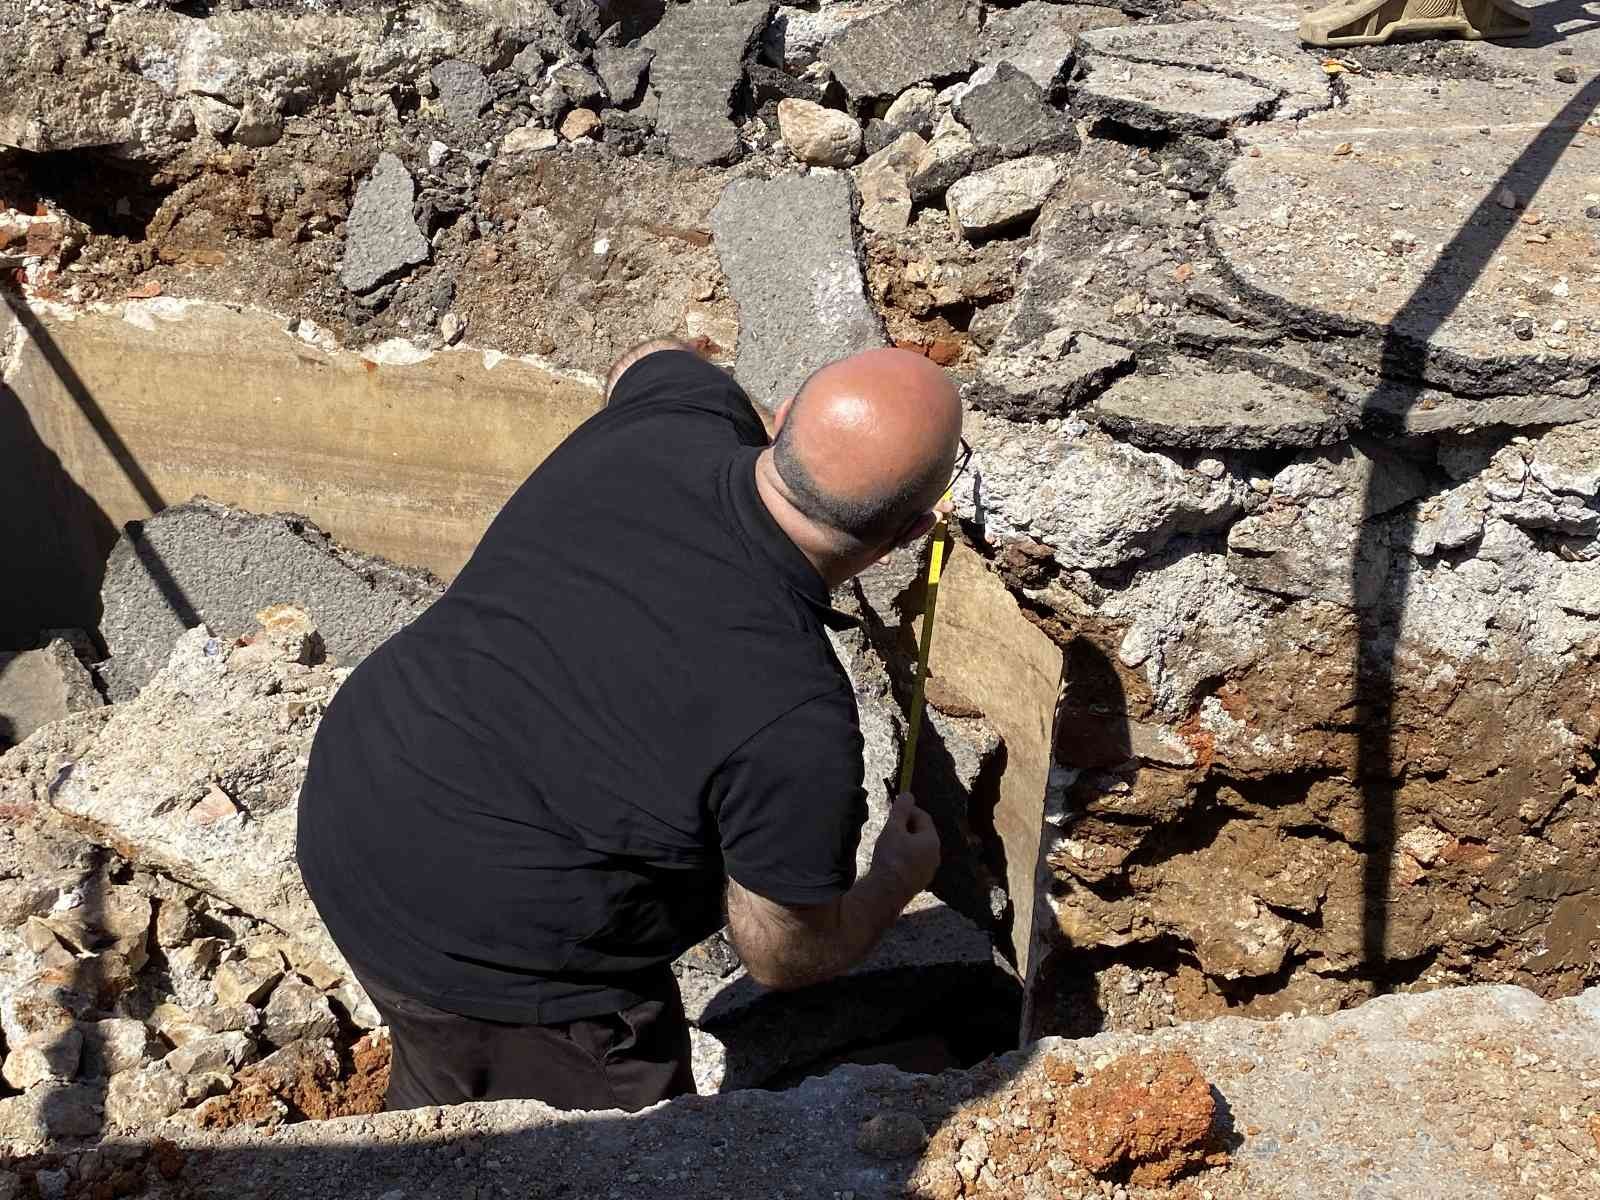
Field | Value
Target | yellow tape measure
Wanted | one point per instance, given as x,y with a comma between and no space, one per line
908,761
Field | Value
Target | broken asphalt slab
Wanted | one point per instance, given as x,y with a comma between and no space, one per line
204,562
917,41
1478,1091
1208,409
1454,252
1266,58
787,246
1163,99
699,54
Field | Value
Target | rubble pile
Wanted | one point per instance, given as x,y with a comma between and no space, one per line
158,954
1281,373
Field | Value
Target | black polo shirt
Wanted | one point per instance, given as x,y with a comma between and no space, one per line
524,804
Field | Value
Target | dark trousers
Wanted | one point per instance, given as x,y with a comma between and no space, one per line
627,1060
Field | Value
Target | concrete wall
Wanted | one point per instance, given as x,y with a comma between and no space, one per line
108,417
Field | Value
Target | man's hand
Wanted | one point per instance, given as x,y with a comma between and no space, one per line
908,847
784,947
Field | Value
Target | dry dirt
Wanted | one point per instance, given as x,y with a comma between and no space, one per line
1144,1120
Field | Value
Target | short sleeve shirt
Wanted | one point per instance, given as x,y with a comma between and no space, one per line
532,795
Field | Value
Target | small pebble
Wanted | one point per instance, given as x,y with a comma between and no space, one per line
1566,75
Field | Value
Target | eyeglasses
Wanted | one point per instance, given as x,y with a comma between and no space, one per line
962,459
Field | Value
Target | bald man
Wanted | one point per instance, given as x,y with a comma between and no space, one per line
622,722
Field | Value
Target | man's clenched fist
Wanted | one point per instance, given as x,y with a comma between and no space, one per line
908,847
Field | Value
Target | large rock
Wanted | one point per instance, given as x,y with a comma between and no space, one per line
1466,1092
237,723
1095,502
1002,197
917,41
700,49
787,246
884,182
40,686
822,137
204,562
382,240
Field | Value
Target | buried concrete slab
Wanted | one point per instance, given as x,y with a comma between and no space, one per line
989,652
787,246
165,400
1455,250
212,801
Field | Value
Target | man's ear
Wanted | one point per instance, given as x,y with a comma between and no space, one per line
779,416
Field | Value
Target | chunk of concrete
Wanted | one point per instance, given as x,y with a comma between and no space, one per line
884,181
1040,38
296,1011
205,563
913,111
382,240
947,157
230,720
700,49
918,41
1095,502
622,70
822,137
1009,114
787,246
40,686
1269,58
463,90
1002,197
1214,410
1064,371
1167,99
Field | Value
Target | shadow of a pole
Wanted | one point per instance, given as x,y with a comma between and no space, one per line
1383,546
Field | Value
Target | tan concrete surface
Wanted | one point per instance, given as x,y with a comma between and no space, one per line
165,400
1008,667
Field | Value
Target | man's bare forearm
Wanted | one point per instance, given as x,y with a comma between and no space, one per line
794,947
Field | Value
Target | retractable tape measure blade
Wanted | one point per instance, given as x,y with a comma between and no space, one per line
941,541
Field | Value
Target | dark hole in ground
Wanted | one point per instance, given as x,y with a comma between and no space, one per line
108,194
963,1024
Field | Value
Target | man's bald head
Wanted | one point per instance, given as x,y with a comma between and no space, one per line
869,443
